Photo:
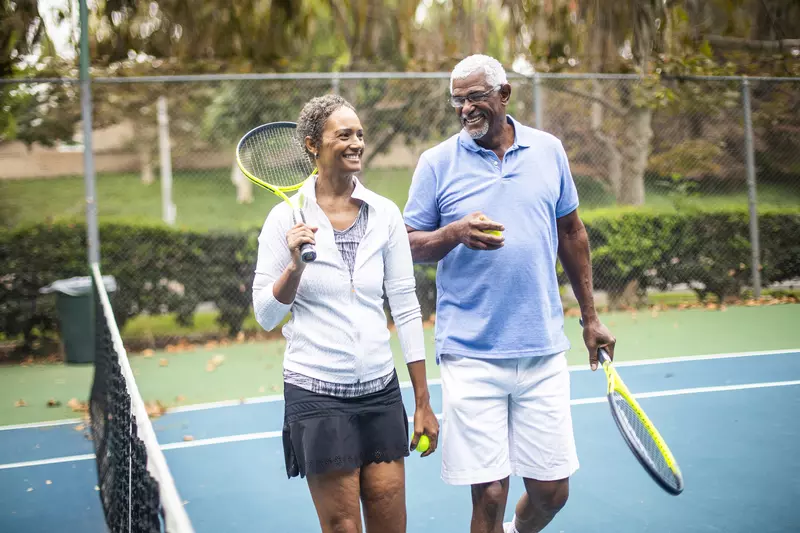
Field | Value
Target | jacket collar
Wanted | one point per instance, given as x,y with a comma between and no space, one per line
309,191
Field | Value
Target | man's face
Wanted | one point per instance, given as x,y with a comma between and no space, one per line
481,106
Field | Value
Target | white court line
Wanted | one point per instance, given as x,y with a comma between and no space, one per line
431,382
34,425
276,434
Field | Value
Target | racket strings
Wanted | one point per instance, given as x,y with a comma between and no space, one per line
275,156
642,437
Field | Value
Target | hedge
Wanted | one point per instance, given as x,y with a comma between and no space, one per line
160,270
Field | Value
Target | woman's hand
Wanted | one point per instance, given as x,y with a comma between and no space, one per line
425,423
296,237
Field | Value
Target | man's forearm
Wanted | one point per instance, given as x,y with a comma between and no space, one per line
573,250
432,246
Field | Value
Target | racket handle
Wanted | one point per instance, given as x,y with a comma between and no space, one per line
308,253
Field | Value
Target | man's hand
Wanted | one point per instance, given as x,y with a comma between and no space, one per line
425,423
596,335
470,232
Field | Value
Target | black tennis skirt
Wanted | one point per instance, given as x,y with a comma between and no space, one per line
323,433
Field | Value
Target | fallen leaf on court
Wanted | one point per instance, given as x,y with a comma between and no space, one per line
163,362
155,409
274,388
78,406
654,313
80,427
262,389
214,362
675,325
148,353
180,398
20,403
723,307
188,438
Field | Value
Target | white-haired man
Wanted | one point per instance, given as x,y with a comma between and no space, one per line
496,206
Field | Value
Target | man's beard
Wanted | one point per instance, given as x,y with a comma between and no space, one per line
477,134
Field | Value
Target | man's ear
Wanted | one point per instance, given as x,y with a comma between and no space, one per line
505,93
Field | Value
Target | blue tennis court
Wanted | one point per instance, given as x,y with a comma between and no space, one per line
731,420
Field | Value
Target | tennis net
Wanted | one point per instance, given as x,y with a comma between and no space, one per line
137,491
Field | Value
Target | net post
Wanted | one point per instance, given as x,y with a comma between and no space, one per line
92,232
752,202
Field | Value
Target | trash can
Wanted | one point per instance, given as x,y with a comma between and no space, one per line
76,315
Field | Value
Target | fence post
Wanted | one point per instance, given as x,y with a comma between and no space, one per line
168,209
335,83
90,189
755,247
537,101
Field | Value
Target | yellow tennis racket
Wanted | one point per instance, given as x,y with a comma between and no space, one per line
273,157
639,432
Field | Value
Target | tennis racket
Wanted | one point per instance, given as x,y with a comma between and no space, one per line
639,432
272,157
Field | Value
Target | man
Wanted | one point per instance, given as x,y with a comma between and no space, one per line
495,205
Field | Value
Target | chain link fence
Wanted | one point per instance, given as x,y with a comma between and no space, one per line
178,221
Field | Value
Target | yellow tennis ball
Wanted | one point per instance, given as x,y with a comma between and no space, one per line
423,444
496,233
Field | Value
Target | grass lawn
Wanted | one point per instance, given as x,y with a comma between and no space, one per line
207,199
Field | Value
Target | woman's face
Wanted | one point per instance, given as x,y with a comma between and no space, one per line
342,144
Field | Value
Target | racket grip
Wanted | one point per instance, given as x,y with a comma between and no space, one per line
308,253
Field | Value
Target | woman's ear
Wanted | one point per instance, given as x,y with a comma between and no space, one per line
311,148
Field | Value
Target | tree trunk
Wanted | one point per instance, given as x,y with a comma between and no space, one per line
614,171
146,162
244,187
636,145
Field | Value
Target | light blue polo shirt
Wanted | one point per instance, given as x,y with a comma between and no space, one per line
503,303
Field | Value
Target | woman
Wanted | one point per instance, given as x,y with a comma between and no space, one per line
345,426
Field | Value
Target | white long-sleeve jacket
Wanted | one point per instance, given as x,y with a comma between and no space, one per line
338,328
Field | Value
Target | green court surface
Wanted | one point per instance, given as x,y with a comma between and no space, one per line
248,370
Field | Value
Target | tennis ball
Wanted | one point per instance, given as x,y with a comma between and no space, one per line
423,444
496,233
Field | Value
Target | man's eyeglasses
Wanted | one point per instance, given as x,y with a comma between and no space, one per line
459,101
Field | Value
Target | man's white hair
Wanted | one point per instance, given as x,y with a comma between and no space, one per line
494,71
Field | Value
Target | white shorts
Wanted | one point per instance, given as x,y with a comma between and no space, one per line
506,417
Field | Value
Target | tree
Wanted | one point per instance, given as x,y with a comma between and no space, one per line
43,113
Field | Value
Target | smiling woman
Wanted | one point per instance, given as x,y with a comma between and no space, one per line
345,427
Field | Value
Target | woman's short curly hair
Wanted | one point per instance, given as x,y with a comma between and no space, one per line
314,116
